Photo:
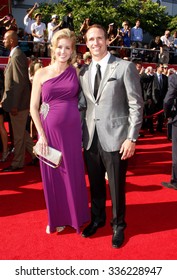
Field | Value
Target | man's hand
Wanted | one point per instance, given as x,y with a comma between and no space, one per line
127,149
36,5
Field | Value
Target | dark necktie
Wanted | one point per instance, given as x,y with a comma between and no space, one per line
97,80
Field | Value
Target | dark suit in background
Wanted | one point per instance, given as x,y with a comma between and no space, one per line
16,100
171,96
67,21
146,85
158,94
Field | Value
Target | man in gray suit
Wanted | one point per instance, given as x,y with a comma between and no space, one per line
113,119
16,100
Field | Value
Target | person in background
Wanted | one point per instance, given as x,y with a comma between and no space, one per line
59,126
141,71
78,60
125,32
39,33
170,101
23,42
139,66
134,52
159,90
28,21
33,67
16,100
168,71
167,41
112,29
10,23
156,46
87,57
85,25
137,34
165,70
111,87
114,39
146,80
67,21
53,26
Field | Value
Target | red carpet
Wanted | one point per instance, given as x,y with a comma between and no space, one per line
151,232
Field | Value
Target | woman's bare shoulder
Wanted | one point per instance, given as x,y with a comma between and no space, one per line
42,74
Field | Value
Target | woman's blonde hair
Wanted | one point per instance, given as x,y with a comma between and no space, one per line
64,33
125,23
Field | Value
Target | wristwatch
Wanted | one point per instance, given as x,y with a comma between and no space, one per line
132,140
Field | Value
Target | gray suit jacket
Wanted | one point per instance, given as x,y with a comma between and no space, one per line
170,100
118,109
16,83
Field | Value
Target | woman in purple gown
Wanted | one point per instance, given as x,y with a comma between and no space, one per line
59,126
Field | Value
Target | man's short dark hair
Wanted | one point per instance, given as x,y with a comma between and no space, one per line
159,64
99,27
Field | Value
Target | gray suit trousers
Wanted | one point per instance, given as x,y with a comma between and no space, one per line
98,162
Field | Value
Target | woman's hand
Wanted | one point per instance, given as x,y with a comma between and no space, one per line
43,144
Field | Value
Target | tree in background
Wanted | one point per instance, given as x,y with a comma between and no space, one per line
173,24
153,17
101,12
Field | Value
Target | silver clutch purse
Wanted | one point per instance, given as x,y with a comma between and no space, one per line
53,158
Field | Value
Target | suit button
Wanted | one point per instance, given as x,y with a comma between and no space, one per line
96,104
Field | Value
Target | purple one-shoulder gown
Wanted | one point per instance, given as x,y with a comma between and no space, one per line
64,187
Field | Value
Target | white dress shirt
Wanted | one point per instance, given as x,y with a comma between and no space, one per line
103,63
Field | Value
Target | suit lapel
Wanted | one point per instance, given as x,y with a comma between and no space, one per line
112,64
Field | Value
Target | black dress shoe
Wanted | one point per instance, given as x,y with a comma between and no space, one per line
11,169
92,228
117,238
34,162
169,185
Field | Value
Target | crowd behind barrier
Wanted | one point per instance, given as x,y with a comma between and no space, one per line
144,54
126,42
